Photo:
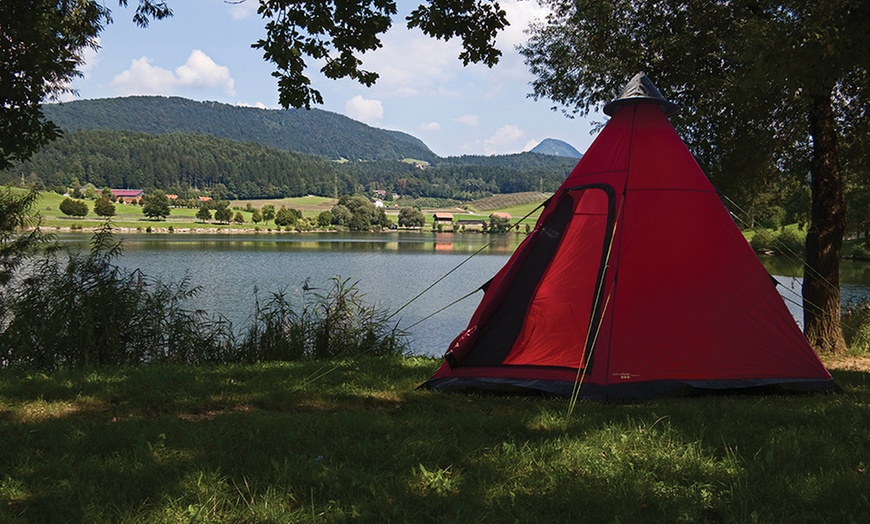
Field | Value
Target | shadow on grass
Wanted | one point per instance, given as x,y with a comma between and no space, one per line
268,443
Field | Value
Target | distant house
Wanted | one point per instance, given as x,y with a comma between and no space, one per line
172,196
127,196
205,199
503,216
470,225
445,220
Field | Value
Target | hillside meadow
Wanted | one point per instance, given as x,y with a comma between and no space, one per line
353,440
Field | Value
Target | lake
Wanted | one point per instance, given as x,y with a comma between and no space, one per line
390,268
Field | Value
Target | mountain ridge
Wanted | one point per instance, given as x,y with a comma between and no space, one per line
313,132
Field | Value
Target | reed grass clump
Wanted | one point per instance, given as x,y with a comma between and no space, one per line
72,309
331,323
69,309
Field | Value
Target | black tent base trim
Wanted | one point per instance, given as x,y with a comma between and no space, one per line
633,391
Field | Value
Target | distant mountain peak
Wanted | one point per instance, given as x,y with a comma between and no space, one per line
553,147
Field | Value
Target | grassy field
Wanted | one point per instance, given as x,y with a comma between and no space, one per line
348,441
130,217
517,205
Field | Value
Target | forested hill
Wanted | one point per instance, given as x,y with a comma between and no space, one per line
189,147
313,132
527,160
190,164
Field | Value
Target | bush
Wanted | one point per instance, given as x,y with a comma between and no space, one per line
499,224
337,323
73,208
411,217
855,321
104,207
20,236
222,214
155,205
772,217
68,309
762,241
789,241
101,315
786,241
287,217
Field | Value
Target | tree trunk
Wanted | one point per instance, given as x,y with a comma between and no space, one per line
821,288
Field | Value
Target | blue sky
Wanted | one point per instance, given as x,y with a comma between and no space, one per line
204,53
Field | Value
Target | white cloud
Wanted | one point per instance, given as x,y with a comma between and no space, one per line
143,78
520,13
430,126
90,59
202,71
511,70
469,120
241,11
412,64
504,140
199,72
364,110
530,144
258,105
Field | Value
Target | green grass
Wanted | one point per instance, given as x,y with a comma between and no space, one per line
518,205
131,217
267,443
309,205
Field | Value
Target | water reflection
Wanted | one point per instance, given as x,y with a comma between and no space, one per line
856,272
406,242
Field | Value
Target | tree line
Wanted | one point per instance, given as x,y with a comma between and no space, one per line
182,163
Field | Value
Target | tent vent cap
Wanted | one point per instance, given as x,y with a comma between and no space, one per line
640,89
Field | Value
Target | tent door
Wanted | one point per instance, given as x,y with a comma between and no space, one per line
548,308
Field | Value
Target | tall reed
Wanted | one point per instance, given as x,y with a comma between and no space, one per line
330,324
70,309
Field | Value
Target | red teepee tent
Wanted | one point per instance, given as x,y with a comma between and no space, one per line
635,283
